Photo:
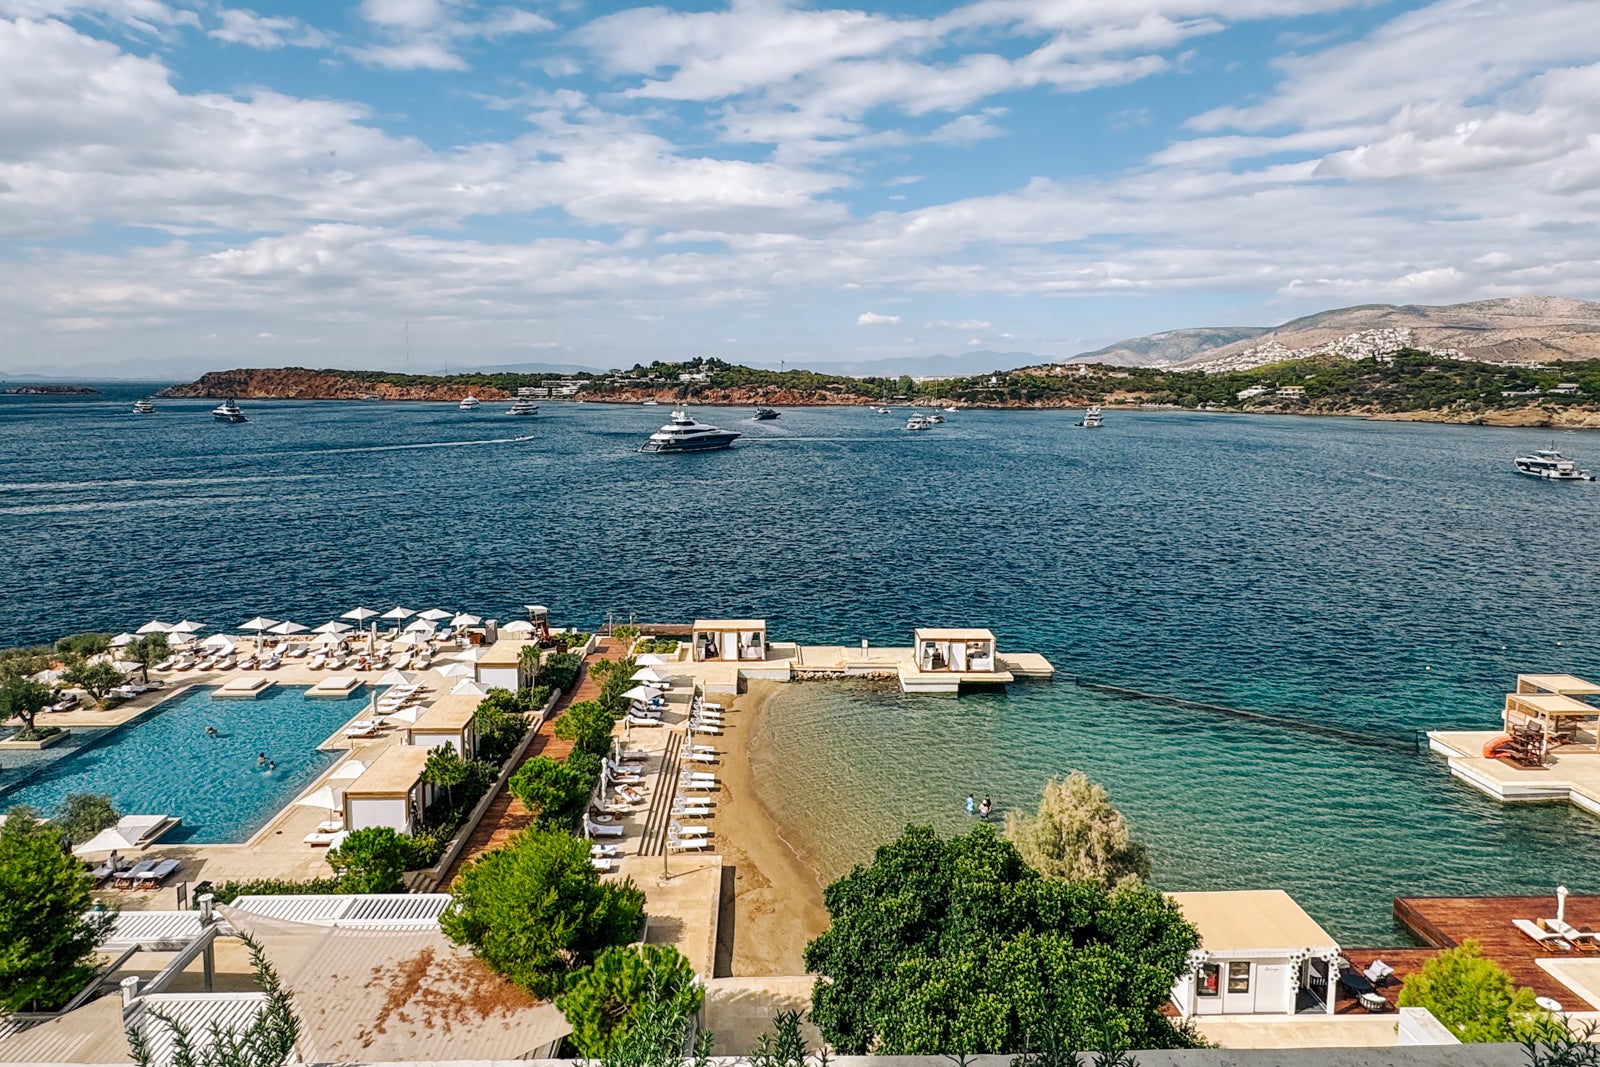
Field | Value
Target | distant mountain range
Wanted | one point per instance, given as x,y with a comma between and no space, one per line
959,365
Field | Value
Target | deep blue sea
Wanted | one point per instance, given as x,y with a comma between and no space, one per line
1381,577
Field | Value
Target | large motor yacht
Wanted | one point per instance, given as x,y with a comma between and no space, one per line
1091,418
228,411
522,406
919,422
684,434
469,402
1550,464
144,407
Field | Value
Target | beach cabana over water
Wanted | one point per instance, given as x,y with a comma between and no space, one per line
962,651
1260,954
1554,715
448,722
730,639
389,792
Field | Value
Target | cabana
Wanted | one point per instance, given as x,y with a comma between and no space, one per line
1259,954
1564,684
730,639
448,722
958,651
1552,714
499,666
389,792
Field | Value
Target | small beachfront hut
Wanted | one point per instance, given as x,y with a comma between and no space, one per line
389,792
730,639
1259,954
960,651
448,722
499,665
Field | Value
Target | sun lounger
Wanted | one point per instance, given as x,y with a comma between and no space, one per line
363,728
1534,931
689,831
687,844
325,832
700,757
603,829
602,850
702,728
128,876
639,720
158,873
105,870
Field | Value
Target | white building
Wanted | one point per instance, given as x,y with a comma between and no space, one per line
1259,954
389,792
1250,393
1292,392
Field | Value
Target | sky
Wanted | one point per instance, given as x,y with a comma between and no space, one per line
428,184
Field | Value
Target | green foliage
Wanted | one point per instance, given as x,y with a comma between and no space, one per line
556,791
268,1041
84,645
659,646
659,1037
47,934
957,947
617,683
1078,836
96,679
1474,997
561,670
23,662
569,640
149,650
82,815
228,892
498,727
1564,1045
784,1045
587,724
23,699
445,769
625,633
372,860
603,1002
536,911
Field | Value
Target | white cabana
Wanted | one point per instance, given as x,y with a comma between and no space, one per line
187,626
155,626
465,620
468,687
284,629
131,832
359,614
518,626
258,624
434,614
332,627
123,639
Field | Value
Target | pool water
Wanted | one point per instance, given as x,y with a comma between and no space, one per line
164,763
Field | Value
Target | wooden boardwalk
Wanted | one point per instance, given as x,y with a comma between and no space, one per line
507,814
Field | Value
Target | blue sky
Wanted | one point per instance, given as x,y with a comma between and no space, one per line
188,185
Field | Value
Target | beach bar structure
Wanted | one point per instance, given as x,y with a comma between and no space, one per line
1259,954
448,722
730,639
390,792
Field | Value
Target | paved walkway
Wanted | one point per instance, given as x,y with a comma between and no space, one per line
507,814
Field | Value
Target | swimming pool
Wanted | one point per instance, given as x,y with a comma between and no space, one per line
164,762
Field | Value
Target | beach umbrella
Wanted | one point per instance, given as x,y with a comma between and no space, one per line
646,674
359,614
518,626
350,768
187,626
465,620
325,797
411,640
155,626
650,659
434,614
324,640
284,629
398,613
642,692
258,624
467,687
421,626
396,678
222,641
123,639
457,670
332,628
466,655
410,714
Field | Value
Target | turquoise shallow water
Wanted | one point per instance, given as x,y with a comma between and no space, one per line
1383,577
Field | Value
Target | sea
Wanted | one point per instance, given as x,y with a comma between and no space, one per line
1349,583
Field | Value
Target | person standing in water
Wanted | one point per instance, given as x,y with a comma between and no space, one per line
972,805
984,808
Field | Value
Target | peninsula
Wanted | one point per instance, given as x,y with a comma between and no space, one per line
48,390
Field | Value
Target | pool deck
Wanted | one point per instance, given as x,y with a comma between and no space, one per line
1571,774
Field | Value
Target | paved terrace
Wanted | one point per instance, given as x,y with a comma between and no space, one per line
1572,772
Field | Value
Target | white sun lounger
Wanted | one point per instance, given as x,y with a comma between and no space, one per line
1533,931
679,830
603,829
687,844
601,864
636,720
159,872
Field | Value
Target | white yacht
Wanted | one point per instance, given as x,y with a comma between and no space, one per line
651,403
684,434
935,418
1091,418
228,411
1552,465
469,402
882,411
918,422
522,406
144,407
370,397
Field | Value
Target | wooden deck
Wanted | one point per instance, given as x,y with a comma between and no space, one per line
507,814
1444,922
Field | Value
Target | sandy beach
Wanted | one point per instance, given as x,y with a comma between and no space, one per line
775,894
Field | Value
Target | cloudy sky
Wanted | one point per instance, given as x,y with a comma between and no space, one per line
186,184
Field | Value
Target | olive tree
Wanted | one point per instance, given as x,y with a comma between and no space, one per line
21,698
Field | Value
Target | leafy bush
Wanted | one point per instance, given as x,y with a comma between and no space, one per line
48,936
561,671
83,645
427,846
22,662
587,724
602,1003
82,815
96,679
267,1041
1474,997
536,911
659,646
556,791
371,860
565,641
228,892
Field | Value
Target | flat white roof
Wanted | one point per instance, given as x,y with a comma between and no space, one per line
730,624
371,911
1249,920
1558,683
947,634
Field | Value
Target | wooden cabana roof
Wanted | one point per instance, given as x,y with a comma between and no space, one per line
730,624
392,774
1565,684
450,712
1550,706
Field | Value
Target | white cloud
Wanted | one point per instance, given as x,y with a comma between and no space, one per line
428,34
872,318
240,26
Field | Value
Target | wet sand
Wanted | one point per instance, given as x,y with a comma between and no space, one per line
775,894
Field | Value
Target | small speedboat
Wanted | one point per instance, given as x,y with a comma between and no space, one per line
228,411
919,422
469,403
951,410
1552,466
882,411
144,407
524,437
935,418
370,397
763,414
651,403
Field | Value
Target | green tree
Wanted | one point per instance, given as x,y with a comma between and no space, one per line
47,934
556,791
529,658
84,645
958,947
23,662
662,1035
82,815
587,724
603,1002
1474,997
536,911
1078,836
23,699
96,679
147,651
371,860
445,769
268,1041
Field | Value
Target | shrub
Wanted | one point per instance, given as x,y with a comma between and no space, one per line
228,892
83,645
372,860
536,912
555,791
267,1041
427,846
1078,836
48,936
96,679
659,646
23,699
23,662
1473,997
602,1003
82,815
561,671
566,641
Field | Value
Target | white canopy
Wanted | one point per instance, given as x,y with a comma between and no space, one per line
468,687
434,614
650,659
350,768
456,670
325,797
518,626
471,654
397,678
123,639
131,831
647,674
284,629
398,613
412,639
642,692
155,626
421,626
222,641
323,640
408,714
359,614
465,620
187,626
333,627
259,623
